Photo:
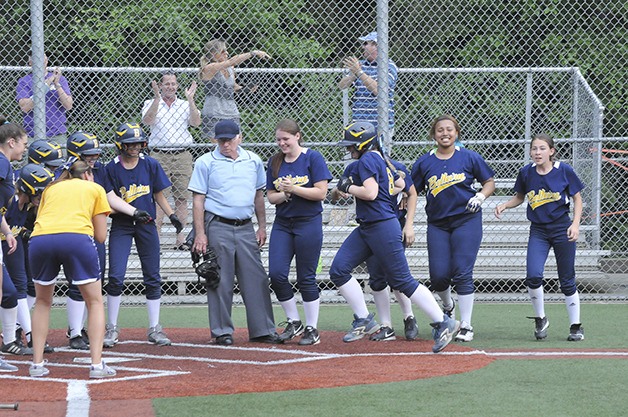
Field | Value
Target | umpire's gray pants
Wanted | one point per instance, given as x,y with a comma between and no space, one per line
238,255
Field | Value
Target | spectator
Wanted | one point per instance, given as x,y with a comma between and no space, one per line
169,118
58,102
363,76
219,83
228,188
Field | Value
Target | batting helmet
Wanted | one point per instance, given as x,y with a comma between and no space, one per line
83,143
45,152
129,133
33,179
361,135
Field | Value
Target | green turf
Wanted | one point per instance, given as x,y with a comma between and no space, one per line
507,387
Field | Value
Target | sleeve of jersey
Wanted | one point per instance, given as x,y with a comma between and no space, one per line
261,174
23,90
367,169
160,179
318,168
102,205
520,182
269,175
417,176
575,184
199,178
482,171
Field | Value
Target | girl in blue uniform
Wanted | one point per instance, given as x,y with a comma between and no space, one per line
548,185
13,141
372,184
296,180
139,180
454,217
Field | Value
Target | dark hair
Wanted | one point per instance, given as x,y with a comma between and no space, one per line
547,139
292,127
440,119
10,130
75,170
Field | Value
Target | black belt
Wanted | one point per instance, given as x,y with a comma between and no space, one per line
170,151
232,222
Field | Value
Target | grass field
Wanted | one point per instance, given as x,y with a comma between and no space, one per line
508,387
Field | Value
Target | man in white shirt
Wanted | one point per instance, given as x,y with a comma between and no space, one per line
169,118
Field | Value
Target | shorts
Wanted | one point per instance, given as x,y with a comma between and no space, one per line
178,167
76,252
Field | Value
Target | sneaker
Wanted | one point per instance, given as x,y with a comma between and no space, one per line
540,327
272,338
444,332
466,333
19,332
293,329
47,347
38,371
6,366
105,372
157,336
576,333
78,343
450,312
14,348
84,336
360,327
310,336
111,335
384,334
411,328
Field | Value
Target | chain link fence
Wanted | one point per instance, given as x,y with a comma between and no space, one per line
507,72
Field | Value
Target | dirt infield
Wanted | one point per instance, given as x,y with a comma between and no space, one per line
195,367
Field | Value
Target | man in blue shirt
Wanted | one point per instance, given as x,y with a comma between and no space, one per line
228,189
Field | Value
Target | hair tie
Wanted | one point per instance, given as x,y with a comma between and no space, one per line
6,122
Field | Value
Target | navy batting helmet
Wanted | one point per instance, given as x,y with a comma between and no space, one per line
45,152
129,133
33,179
83,143
361,135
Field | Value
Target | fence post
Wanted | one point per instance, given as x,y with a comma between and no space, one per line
39,72
528,125
383,101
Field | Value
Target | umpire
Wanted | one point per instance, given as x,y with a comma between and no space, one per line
227,185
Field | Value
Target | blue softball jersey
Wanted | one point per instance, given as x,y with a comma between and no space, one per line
548,195
7,188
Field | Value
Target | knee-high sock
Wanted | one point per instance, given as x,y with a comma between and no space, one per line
352,292
465,306
75,316
424,299
573,308
311,309
9,319
24,315
382,304
404,303
536,296
153,311
290,308
113,308
445,297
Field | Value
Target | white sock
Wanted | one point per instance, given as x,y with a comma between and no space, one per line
290,308
573,308
465,306
536,296
153,312
31,301
312,309
9,320
75,316
352,292
85,317
445,297
113,308
24,315
382,305
424,299
404,303
97,365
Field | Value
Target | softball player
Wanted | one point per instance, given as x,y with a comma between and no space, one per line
139,180
549,185
372,183
47,153
454,216
72,214
13,141
296,180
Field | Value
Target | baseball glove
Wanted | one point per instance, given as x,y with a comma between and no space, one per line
208,270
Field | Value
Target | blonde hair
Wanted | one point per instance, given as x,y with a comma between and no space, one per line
76,170
211,48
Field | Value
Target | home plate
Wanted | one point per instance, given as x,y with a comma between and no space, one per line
110,360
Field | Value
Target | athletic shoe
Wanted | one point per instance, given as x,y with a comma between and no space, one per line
47,347
384,334
158,337
444,332
576,333
111,335
18,335
84,336
450,312
78,343
411,328
465,334
272,338
38,371
540,327
6,366
360,327
310,336
14,348
293,329
104,372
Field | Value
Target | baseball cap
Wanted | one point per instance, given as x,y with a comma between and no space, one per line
226,129
371,37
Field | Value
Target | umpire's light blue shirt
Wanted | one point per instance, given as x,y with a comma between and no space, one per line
229,185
